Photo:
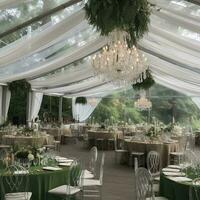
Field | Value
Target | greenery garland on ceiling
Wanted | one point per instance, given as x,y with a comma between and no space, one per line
19,84
146,83
131,16
81,100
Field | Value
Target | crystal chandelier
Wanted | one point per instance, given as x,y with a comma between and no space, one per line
118,63
143,103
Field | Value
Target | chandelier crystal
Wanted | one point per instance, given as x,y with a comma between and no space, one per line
143,103
119,63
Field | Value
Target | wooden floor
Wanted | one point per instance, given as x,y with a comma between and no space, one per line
118,179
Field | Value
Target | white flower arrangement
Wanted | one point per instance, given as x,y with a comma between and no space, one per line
31,157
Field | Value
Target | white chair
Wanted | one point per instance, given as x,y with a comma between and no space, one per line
93,187
91,173
144,186
3,154
154,163
15,183
153,166
177,157
120,154
73,185
190,158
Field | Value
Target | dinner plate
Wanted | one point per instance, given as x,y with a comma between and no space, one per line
170,170
68,164
174,166
52,168
174,173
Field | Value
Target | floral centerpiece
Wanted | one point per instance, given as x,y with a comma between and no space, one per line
153,132
29,154
177,130
26,131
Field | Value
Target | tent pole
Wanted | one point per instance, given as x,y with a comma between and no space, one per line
60,109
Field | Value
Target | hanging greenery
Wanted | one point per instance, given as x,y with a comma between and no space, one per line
146,82
132,16
81,100
19,84
18,102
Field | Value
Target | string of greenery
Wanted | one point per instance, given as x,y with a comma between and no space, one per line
146,83
19,84
132,16
81,100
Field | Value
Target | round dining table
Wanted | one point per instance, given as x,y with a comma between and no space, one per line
41,181
39,140
174,190
105,136
164,148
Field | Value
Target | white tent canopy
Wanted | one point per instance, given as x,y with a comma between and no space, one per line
172,47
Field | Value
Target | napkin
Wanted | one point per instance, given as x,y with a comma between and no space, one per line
52,168
67,164
21,172
180,179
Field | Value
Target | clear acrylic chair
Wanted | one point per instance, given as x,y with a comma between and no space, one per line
190,158
120,153
92,188
91,172
153,166
3,154
176,158
73,183
144,188
15,183
153,163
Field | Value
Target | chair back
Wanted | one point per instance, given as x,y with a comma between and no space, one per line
190,158
74,176
153,162
183,143
93,159
143,183
190,142
102,168
194,190
15,179
3,154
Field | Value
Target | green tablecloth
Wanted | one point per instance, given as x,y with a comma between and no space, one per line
176,191
42,181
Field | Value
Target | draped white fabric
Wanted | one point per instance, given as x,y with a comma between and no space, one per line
72,39
5,96
7,102
172,47
35,42
70,75
1,106
35,101
82,112
66,57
